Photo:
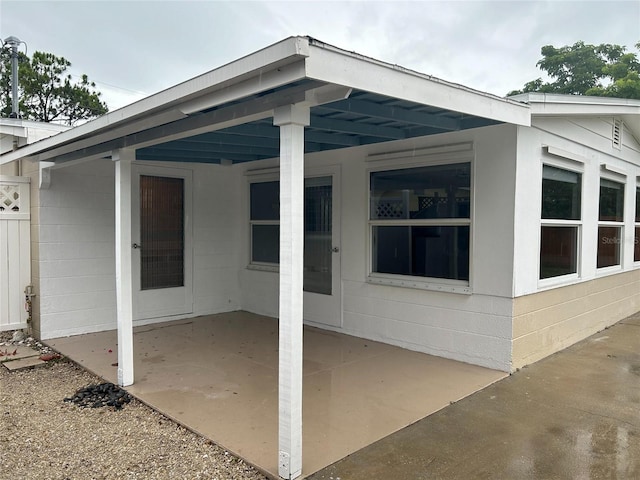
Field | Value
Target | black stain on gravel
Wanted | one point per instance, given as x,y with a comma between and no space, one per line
101,395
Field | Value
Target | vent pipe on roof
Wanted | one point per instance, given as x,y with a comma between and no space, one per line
14,42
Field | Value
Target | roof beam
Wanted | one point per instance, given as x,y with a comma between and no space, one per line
263,130
213,150
216,140
358,128
195,157
393,113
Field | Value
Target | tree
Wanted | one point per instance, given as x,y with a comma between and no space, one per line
580,69
47,92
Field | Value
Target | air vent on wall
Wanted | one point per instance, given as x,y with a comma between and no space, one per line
617,133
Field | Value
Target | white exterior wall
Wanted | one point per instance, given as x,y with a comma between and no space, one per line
217,221
473,328
588,142
74,231
553,314
75,235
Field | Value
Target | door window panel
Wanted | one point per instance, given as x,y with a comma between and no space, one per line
161,232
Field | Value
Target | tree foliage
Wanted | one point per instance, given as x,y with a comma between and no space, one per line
580,69
47,93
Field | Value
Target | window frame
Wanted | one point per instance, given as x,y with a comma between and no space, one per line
636,224
264,266
268,175
572,167
461,154
622,180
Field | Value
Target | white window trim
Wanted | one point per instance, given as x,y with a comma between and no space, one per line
259,176
462,154
263,175
636,224
613,175
574,166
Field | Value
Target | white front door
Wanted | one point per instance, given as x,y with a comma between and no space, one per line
162,242
322,282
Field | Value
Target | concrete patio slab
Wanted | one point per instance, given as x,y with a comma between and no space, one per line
218,375
571,415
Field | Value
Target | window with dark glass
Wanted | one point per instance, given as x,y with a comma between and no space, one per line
265,222
265,230
420,221
610,223
561,216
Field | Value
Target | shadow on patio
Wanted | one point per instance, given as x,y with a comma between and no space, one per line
218,375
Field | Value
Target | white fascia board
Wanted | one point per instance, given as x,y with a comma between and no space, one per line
277,55
557,98
332,65
583,109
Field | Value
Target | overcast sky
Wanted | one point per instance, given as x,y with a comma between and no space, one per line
135,48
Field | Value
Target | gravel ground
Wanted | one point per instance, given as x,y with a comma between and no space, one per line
43,437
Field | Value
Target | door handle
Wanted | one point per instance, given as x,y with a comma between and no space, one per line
136,245
335,249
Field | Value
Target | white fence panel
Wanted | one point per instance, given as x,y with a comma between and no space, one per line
15,251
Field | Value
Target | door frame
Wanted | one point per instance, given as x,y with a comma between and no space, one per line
168,302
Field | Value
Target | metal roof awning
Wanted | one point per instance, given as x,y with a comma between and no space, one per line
225,116
361,119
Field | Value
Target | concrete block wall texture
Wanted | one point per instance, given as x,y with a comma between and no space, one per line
547,322
73,239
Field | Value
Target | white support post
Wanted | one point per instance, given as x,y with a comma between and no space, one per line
124,291
291,119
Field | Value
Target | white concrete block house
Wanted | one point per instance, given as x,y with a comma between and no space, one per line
307,182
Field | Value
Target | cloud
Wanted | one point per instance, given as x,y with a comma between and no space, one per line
129,47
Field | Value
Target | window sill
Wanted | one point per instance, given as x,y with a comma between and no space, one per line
604,271
263,267
426,284
559,281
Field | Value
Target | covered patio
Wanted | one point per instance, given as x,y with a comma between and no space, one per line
218,375
294,110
